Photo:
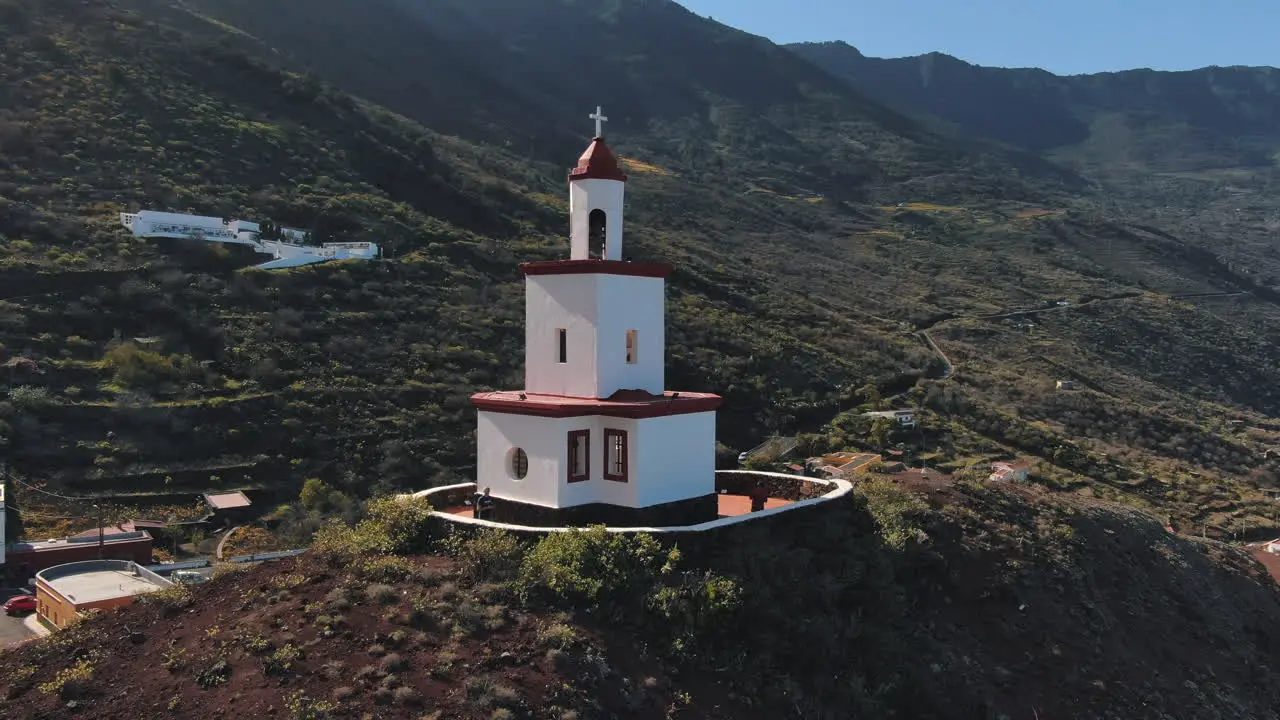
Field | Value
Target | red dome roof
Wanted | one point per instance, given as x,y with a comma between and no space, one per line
597,163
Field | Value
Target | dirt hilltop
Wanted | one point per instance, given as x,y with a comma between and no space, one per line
946,602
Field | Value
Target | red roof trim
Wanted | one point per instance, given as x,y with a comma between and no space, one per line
600,267
597,163
558,406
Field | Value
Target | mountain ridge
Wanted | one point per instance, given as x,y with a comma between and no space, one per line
1226,116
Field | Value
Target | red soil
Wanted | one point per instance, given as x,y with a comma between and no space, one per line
476,650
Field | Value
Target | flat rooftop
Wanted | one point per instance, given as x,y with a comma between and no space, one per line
96,585
111,536
227,501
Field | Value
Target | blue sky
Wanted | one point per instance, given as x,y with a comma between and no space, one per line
1063,36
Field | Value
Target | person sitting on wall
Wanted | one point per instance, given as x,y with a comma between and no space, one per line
759,496
482,505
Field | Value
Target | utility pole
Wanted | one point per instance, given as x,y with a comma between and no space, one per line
98,507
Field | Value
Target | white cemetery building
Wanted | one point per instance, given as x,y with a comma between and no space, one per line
288,251
594,436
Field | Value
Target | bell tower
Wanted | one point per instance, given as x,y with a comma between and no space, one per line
594,436
596,188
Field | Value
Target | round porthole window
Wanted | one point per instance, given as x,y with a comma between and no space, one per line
519,464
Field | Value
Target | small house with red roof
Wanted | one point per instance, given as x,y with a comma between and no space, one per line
1017,471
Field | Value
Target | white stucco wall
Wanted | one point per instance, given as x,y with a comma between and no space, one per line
668,459
544,440
675,457
630,303
597,489
552,302
156,216
597,311
593,194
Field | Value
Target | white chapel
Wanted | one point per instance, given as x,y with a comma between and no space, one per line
594,436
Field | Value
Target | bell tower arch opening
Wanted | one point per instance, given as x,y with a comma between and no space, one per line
597,232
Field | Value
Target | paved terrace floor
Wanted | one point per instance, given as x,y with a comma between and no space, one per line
730,506
1269,561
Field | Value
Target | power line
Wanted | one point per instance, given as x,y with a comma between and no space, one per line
27,514
51,494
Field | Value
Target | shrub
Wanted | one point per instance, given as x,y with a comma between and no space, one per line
172,599
303,707
488,694
558,636
898,512
387,569
698,602
216,674
29,396
281,661
394,662
697,612
380,593
595,567
492,556
138,368
69,681
392,526
407,696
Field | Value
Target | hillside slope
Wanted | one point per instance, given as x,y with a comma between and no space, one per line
785,301
983,604
682,91
347,371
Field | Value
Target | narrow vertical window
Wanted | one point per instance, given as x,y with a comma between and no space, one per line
579,455
632,347
615,455
562,345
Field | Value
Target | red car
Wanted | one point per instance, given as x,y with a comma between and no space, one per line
20,604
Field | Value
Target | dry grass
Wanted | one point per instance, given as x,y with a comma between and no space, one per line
640,166
922,207
1037,213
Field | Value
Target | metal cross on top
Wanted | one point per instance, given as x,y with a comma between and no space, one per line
600,119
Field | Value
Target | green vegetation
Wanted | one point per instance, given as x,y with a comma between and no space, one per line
816,234
356,375
888,604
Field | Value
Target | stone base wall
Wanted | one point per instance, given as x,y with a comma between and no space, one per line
684,512
696,520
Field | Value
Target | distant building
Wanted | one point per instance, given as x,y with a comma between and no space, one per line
1067,385
287,251
230,505
65,592
904,418
845,464
25,559
1010,472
